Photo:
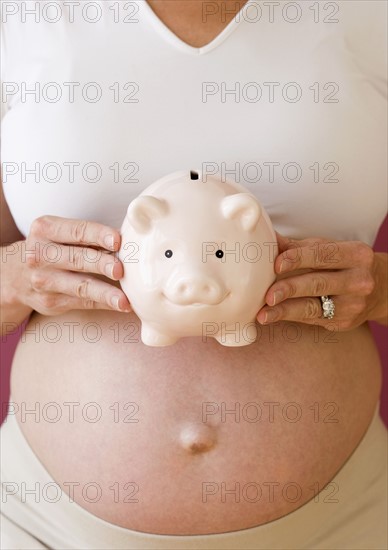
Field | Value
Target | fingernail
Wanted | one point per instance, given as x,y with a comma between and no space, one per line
271,315
115,301
277,297
262,318
110,242
109,270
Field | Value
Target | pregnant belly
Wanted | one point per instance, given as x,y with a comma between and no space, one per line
195,438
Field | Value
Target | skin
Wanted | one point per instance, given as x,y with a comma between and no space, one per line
170,452
210,18
350,272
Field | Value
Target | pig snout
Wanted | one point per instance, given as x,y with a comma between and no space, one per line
195,290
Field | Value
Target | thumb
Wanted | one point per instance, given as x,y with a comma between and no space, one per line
283,242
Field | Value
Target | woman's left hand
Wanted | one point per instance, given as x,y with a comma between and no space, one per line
349,272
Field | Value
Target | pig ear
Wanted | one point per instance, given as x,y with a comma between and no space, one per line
244,207
144,210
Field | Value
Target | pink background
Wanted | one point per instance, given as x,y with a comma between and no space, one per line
380,333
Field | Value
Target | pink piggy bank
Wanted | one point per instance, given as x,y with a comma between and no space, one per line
198,259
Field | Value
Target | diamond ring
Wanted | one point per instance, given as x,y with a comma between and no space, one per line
328,307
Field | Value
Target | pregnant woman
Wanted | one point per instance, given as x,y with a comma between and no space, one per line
111,444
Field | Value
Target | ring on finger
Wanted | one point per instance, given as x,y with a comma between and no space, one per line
328,307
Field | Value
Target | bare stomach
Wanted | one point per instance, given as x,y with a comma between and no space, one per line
195,438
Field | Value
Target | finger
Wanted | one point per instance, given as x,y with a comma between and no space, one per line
73,231
316,283
284,242
78,258
301,310
324,254
53,304
81,287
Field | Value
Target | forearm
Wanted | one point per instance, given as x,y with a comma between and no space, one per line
379,311
13,310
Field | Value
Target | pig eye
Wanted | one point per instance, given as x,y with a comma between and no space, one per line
220,254
168,253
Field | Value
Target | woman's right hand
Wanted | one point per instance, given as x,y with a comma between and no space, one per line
58,258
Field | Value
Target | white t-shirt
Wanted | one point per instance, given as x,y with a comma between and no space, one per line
289,100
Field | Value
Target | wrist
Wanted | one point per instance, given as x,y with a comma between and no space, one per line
379,297
14,309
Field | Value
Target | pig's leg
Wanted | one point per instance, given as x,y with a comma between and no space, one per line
232,341
237,335
153,337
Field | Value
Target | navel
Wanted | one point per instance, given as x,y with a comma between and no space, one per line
197,438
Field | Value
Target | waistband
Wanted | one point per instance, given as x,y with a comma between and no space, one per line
66,525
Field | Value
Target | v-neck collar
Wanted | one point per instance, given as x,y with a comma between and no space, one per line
171,37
